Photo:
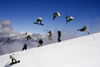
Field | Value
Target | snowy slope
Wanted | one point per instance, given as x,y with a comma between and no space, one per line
77,52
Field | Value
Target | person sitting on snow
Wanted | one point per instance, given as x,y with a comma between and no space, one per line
85,28
50,35
56,15
28,36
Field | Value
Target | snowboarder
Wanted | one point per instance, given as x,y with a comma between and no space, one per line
28,36
59,35
56,15
40,42
85,28
24,47
70,18
38,19
13,59
50,35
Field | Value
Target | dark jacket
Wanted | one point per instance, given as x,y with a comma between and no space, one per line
59,34
40,41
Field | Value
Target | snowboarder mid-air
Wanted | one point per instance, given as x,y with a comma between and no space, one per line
28,36
40,42
85,28
13,59
50,35
70,18
24,47
59,35
56,15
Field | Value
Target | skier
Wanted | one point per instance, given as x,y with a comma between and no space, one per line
50,35
28,36
40,42
70,18
85,28
56,15
12,58
59,35
24,47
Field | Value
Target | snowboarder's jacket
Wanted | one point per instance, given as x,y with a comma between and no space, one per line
59,34
25,46
40,41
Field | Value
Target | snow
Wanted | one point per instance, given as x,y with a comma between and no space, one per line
78,52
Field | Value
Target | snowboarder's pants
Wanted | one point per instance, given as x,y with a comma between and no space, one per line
39,45
39,20
24,49
69,20
13,61
59,39
28,37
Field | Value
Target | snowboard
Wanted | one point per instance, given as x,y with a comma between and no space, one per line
14,62
38,23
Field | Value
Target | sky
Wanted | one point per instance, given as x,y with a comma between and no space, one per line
22,14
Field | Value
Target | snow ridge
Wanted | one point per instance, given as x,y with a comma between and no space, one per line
78,52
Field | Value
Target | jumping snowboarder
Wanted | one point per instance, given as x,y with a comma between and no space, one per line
28,36
56,15
40,42
39,19
59,35
70,18
85,28
13,59
50,35
24,47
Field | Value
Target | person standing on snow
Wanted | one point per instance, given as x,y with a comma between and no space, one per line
56,15
13,59
28,36
50,35
40,42
59,35
25,47
70,18
85,28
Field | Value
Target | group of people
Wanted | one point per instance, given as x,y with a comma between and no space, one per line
57,14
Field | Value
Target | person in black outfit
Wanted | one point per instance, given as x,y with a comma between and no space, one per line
25,47
59,35
40,42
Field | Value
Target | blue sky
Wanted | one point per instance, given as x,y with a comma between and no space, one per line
22,14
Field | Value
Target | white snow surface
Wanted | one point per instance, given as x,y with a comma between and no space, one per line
78,52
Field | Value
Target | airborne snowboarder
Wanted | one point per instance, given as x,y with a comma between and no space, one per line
39,19
56,15
85,28
50,35
70,18
59,35
28,36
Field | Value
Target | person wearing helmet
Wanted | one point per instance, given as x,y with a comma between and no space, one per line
85,28
70,18
28,36
50,35
13,59
56,15
40,42
59,35
39,19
